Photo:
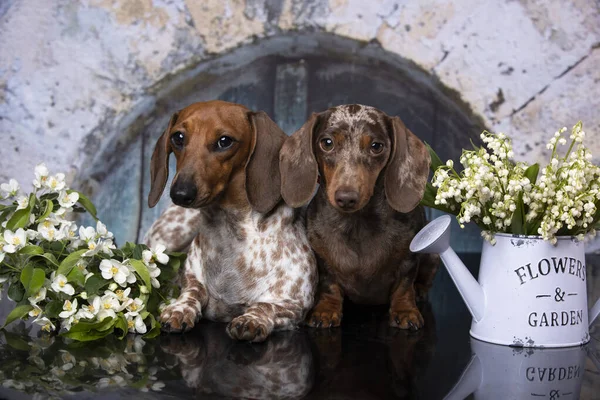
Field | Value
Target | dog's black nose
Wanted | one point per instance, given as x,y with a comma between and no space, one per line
346,199
183,193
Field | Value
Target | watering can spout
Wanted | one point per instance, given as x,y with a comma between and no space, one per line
435,238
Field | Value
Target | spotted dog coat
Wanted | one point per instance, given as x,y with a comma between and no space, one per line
373,172
249,261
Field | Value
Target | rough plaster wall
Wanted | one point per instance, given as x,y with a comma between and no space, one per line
74,74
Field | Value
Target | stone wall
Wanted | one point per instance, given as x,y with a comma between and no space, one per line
74,75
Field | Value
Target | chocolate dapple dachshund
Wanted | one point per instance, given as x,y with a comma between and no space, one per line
373,172
249,261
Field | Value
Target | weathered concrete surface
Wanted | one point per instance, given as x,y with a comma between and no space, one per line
74,74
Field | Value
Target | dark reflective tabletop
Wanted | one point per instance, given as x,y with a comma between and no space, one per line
364,359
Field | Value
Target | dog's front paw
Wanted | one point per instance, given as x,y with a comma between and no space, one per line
246,327
178,317
406,319
321,317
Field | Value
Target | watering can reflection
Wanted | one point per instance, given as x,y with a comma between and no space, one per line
530,293
500,372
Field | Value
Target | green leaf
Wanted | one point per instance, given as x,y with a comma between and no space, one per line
53,308
153,302
103,325
428,199
118,254
50,258
142,271
108,323
517,225
56,246
154,328
32,279
48,206
533,227
20,219
6,212
94,284
435,159
137,251
121,324
141,383
531,173
174,263
167,275
76,276
31,250
86,203
17,313
87,336
16,341
69,262
16,291
49,196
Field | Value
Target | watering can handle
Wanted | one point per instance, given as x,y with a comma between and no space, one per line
594,312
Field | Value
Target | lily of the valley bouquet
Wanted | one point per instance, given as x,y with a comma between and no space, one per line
504,196
73,280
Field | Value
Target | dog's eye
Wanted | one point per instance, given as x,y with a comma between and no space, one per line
376,147
177,139
327,144
224,143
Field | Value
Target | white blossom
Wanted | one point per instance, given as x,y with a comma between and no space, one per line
56,183
155,255
135,306
69,308
114,380
35,312
22,202
2,252
67,323
39,296
14,240
67,200
102,232
109,306
41,175
61,284
491,186
135,323
113,269
45,323
90,310
10,189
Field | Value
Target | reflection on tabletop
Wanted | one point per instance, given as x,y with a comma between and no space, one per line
366,360
502,372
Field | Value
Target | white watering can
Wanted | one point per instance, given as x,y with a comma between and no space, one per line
530,293
500,372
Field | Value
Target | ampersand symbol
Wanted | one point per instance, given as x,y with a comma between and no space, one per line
554,394
559,295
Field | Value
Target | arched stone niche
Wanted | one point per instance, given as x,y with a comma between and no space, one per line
289,77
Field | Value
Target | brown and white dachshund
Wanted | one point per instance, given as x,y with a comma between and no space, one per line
373,172
249,260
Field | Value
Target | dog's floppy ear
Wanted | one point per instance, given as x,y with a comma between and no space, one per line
407,170
159,164
262,169
299,169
